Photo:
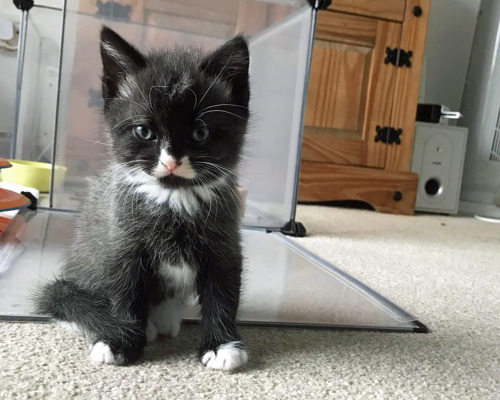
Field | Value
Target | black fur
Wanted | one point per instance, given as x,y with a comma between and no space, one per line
111,276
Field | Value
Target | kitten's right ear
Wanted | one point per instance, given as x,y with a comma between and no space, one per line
119,58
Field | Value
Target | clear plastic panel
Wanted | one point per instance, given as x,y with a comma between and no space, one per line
279,66
278,34
35,134
283,284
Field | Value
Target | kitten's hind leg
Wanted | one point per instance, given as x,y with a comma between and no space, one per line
113,339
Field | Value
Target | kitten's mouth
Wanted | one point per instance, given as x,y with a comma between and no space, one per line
174,181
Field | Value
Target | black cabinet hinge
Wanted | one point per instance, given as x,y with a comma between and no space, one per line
388,135
398,57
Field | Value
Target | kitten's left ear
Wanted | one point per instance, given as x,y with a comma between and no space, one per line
230,62
119,59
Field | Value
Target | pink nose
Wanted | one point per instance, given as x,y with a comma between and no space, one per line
171,165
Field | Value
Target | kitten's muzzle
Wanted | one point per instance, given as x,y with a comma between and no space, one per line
171,165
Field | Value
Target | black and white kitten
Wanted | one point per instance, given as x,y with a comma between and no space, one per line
161,226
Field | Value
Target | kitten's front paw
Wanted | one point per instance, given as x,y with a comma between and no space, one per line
227,357
101,353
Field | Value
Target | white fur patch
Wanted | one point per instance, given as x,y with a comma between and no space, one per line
166,317
134,176
229,356
100,353
184,170
180,200
181,277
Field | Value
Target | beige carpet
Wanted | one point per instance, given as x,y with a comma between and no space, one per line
446,270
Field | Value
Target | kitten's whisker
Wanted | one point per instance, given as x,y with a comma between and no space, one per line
150,108
217,77
195,97
130,101
111,170
222,104
154,87
229,187
203,122
222,169
203,156
222,111
138,117
199,179
96,141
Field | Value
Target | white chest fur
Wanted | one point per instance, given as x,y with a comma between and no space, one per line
180,277
165,318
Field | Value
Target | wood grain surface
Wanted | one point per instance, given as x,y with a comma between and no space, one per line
392,10
407,86
327,182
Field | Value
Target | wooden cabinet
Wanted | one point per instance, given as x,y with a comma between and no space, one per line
353,94
350,91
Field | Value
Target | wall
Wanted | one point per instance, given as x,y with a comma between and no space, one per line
447,51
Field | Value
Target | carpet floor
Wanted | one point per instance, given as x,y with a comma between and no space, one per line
445,270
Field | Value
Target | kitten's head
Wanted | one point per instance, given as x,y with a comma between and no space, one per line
178,116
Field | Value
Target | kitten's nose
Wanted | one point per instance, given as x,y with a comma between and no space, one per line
171,165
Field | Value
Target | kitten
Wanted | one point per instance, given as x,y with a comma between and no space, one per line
161,225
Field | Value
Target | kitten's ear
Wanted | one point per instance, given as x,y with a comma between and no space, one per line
230,62
119,58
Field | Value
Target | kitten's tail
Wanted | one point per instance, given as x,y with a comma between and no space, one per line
65,301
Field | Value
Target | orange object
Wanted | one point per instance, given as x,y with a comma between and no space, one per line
4,223
4,163
12,200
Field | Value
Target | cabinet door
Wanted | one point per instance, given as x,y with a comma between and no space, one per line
392,10
351,89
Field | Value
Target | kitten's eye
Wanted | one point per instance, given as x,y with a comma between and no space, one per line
200,134
144,132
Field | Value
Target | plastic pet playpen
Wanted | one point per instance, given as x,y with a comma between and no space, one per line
284,284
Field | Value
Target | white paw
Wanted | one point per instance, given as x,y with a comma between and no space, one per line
100,353
151,332
229,356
